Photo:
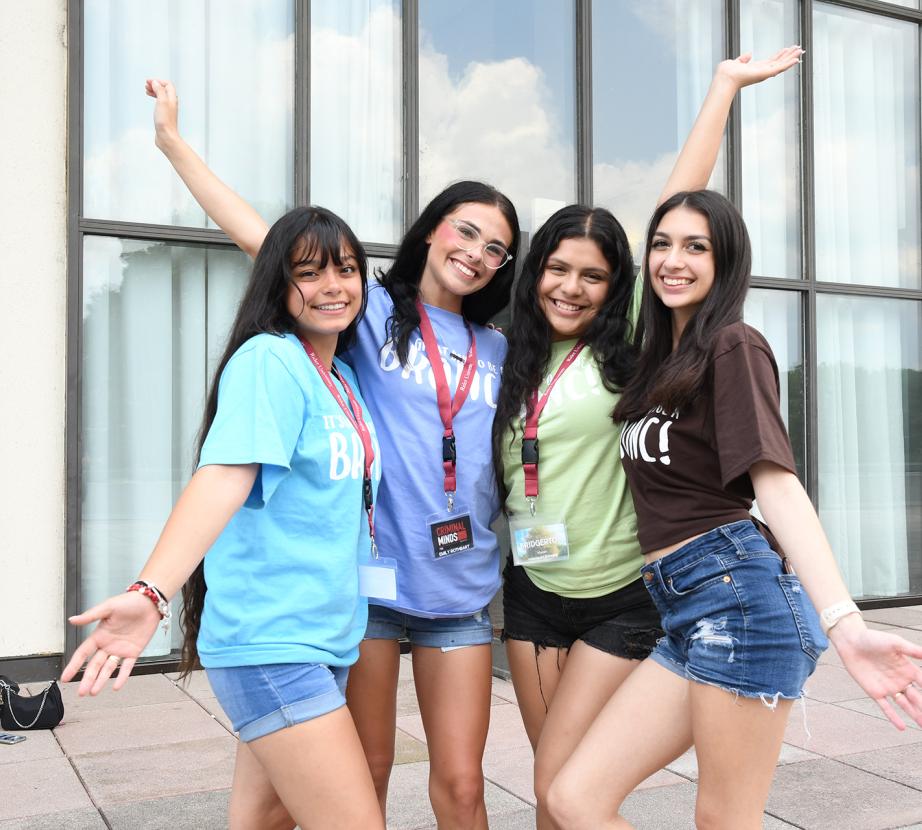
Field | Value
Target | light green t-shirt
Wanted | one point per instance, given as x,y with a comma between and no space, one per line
580,479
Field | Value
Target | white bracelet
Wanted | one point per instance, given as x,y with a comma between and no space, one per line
831,615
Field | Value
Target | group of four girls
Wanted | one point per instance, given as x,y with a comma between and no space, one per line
346,452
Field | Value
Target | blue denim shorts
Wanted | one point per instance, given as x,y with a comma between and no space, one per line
443,632
733,618
263,699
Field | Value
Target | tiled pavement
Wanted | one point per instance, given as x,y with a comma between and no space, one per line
158,755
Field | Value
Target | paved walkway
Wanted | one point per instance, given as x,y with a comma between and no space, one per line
159,755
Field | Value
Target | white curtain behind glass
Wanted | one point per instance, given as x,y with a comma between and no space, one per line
861,352
770,141
866,128
232,63
356,130
155,319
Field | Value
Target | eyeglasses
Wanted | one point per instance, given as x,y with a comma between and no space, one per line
494,255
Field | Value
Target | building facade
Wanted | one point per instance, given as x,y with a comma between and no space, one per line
370,107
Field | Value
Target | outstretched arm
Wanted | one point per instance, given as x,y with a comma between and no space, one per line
128,621
231,213
698,156
880,662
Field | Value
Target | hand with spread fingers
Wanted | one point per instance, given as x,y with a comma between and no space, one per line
882,664
126,624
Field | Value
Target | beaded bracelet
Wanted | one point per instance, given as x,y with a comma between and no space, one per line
156,596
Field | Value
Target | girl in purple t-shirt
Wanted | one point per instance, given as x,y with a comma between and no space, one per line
703,435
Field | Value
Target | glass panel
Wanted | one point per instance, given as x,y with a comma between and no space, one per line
777,314
232,64
652,66
356,129
497,100
870,440
154,321
866,127
771,143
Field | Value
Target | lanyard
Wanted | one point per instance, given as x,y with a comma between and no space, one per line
530,437
353,413
448,407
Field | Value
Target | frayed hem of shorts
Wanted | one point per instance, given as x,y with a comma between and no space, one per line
538,644
769,699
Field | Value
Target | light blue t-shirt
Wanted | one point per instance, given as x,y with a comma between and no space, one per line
403,405
283,575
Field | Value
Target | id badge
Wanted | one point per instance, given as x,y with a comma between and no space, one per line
538,539
450,532
378,579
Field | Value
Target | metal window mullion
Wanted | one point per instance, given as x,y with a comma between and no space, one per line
808,253
410,84
734,160
169,234
301,158
879,8
583,78
74,330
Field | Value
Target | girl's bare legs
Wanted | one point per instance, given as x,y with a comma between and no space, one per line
656,714
254,804
454,690
371,694
587,683
318,770
536,672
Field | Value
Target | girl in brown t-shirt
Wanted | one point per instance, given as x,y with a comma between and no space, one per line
703,436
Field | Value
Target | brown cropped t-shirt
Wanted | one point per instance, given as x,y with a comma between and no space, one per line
689,470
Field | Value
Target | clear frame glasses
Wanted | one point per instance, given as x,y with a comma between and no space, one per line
494,255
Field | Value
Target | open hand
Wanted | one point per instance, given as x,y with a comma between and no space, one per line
882,665
744,71
166,110
126,624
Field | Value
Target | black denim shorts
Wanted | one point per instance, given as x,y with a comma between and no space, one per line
624,623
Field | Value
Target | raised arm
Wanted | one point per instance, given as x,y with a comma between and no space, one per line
698,155
880,662
231,213
127,621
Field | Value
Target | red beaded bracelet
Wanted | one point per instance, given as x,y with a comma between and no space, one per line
156,596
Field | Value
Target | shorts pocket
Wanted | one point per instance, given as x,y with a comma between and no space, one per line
709,570
812,640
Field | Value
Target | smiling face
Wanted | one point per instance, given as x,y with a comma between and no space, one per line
681,263
451,273
323,298
573,287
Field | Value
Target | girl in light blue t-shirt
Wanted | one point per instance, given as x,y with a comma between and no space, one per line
452,272
287,458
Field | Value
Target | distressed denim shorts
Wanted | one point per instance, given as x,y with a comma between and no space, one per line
440,632
624,623
263,699
733,618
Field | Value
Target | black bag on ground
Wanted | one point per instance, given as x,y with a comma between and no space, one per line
44,710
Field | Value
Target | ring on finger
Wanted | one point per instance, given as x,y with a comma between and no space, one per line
118,660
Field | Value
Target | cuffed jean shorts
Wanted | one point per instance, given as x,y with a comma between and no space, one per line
260,700
733,618
624,623
441,632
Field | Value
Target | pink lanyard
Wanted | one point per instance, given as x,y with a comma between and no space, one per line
530,438
448,407
353,413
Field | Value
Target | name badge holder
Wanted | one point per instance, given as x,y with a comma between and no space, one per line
538,538
451,530
377,578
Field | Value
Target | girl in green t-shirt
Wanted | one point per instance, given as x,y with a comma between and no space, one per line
577,619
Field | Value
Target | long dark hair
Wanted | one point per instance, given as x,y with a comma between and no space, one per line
402,278
529,334
305,232
673,378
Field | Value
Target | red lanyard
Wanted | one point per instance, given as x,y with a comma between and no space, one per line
353,413
448,407
530,438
